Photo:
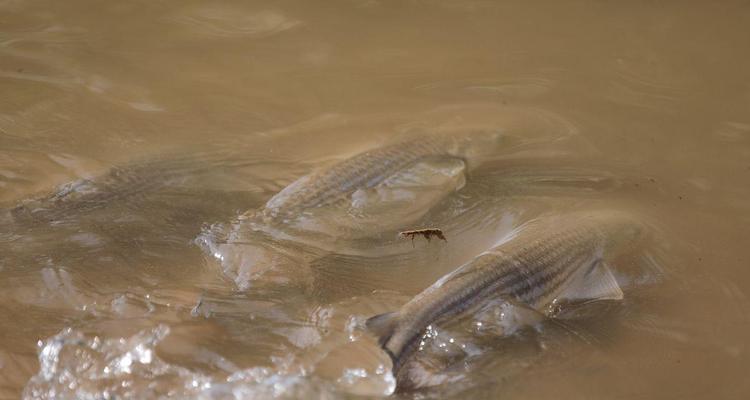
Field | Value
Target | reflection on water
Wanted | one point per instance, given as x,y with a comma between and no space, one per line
136,135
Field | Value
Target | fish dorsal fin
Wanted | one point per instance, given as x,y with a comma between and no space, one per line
596,283
382,326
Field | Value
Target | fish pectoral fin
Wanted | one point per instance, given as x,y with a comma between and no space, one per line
382,326
597,283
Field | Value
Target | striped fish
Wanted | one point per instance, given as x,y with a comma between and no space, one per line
378,190
363,171
545,261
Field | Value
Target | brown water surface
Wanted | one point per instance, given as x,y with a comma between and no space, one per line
206,110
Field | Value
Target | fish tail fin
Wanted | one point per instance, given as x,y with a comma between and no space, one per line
383,326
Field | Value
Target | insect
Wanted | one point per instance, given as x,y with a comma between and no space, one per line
427,233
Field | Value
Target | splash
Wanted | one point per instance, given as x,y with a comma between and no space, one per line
75,366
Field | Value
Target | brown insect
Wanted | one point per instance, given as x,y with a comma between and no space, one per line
427,233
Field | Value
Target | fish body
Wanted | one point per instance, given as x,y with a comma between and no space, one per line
129,182
545,261
363,171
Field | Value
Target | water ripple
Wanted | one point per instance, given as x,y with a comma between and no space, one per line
227,22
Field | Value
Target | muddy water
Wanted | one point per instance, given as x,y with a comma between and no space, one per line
128,130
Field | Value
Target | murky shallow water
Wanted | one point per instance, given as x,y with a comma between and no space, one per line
207,110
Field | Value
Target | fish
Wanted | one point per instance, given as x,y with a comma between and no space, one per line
376,191
126,183
363,171
544,262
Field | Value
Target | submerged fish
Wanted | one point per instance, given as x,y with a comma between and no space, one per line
546,261
373,192
122,184
364,171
